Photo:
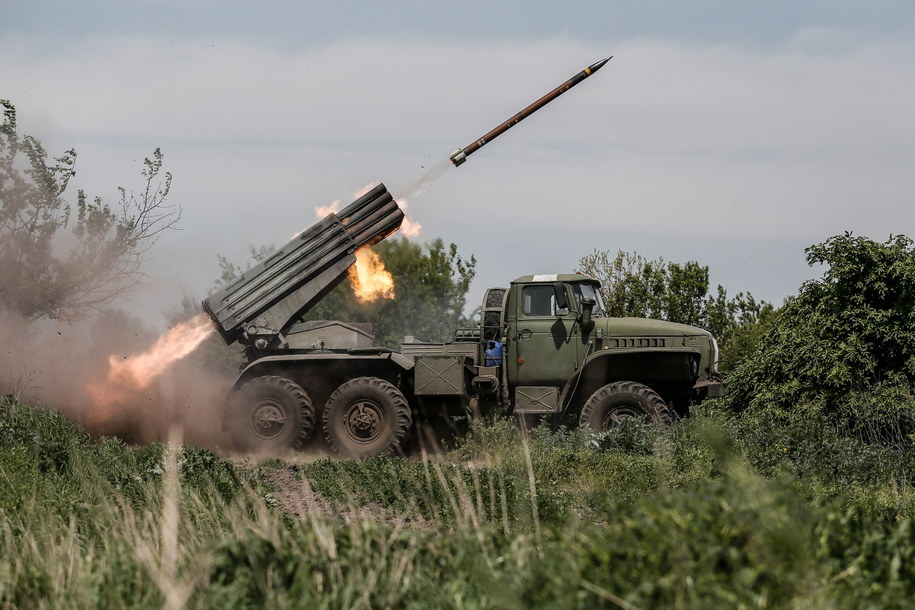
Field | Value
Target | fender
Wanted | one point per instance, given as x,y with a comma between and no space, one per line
363,355
605,366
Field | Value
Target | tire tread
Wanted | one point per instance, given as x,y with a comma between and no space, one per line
648,399
403,418
302,404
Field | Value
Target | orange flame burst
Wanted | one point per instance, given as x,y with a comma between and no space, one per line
128,376
368,277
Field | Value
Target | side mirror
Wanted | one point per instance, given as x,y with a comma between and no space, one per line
562,301
587,306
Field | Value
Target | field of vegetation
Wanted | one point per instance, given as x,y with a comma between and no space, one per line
714,511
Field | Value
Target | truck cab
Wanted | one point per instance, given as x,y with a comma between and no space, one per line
560,347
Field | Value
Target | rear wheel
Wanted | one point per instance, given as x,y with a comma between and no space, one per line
614,402
270,415
366,417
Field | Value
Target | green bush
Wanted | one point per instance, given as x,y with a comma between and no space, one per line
847,335
871,562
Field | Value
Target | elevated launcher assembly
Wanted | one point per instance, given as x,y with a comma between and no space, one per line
260,307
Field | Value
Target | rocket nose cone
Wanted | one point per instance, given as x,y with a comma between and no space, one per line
598,65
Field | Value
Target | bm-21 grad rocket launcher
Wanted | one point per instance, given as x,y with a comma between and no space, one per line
545,347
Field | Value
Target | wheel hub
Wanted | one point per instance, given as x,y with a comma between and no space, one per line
364,420
615,417
268,419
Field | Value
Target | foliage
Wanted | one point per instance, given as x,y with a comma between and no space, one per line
715,511
53,455
634,286
431,282
845,345
52,265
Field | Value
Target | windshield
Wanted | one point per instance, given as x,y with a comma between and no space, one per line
589,291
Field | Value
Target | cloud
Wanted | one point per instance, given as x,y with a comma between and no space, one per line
675,143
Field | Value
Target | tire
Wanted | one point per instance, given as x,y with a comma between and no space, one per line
270,415
610,404
367,417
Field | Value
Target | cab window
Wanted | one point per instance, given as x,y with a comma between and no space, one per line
539,300
588,291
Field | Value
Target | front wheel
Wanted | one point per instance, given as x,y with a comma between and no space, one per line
366,417
614,402
270,415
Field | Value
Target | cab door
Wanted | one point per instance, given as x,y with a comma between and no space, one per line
544,350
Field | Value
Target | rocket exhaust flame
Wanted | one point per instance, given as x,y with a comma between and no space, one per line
368,277
174,345
127,378
410,228
323,210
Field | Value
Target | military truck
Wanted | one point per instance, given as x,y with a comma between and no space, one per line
544,347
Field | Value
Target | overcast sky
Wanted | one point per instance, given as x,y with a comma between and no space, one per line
730,133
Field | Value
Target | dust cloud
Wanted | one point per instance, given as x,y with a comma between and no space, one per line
65,366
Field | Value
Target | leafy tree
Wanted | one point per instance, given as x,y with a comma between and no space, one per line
738,323
632,285
845,345
55,266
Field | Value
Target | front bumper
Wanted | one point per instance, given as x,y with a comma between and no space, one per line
709,388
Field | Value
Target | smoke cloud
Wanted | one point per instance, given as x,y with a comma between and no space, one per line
65,366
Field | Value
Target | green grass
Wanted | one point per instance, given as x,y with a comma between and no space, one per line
715,511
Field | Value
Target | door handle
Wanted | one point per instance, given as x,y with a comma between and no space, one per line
525,334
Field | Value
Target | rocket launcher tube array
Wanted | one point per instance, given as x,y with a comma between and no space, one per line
275,293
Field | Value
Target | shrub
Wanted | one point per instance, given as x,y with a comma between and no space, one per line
845,335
